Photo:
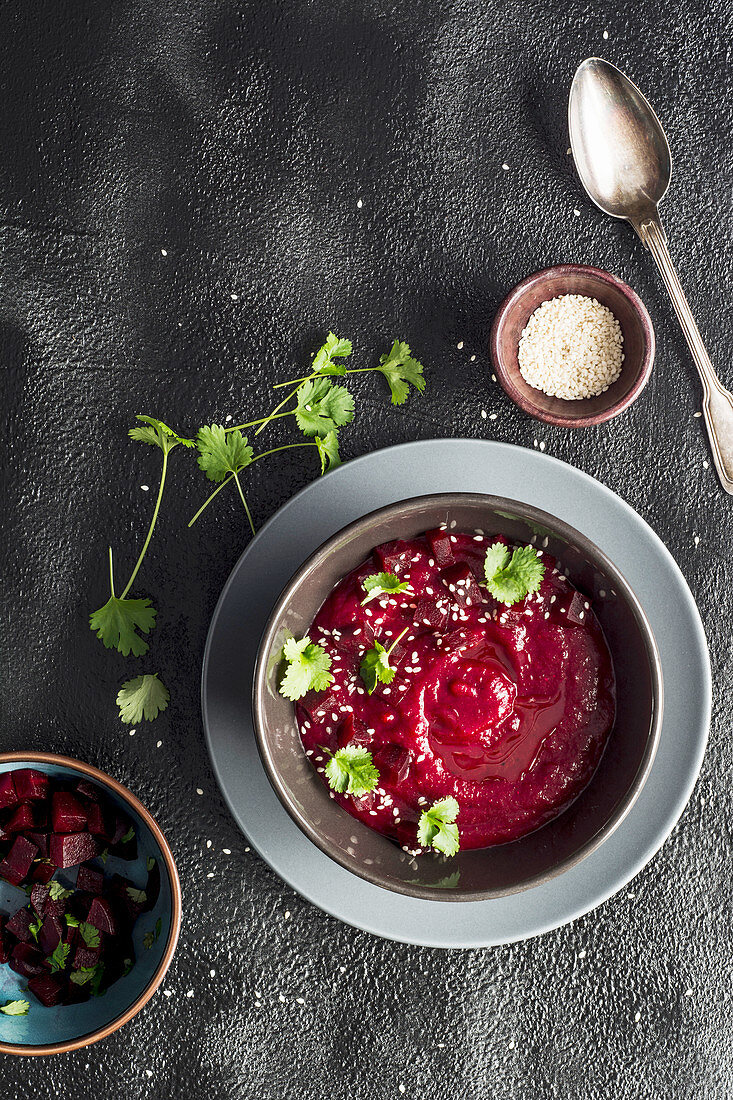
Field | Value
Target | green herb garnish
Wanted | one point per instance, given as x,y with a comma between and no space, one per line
35,928
511,579
143,697
57,892
308,668
150,863
138,896
60,957
128,835
72,922
351,770
437,829
15,1008
223,455
401,372
83,975
375,667
90,935
153,935
383,584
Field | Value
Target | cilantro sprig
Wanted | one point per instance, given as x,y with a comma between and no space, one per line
437,827
307,669
351,770
383,584
59,958
510,579
15,1008
57,892
375,667
143,697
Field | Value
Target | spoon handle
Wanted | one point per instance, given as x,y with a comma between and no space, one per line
717,405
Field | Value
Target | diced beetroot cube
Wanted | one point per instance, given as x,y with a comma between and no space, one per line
49,935
20,923
8,797
97,822
121,828
55,907
41,842
100,915
127,909
440,546
578,608
86,956
365,802
67,813
393,763
353,638
394,557
26,960
431,612
20,820
90,880
89,790
47,989
39,897
353,731
461,584
41,872
18,861
320,703
461,639
66,850
397,655
30,785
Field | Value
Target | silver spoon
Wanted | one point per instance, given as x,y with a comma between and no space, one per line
623,159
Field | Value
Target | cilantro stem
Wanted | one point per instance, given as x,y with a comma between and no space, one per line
111,574
149,535
218,489
244,502
274,412
300,381
394,643
263,420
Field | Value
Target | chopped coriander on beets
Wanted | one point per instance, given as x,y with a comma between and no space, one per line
437,828
383,584
15,1008
510,579
307,669
351,770
375,667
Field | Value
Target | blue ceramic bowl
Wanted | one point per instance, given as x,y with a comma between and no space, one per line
68,1027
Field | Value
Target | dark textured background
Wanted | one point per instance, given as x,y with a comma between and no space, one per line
239,137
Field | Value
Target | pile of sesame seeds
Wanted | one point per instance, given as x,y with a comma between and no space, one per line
572,347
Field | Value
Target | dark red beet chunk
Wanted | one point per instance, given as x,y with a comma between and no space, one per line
8,797
87,956
393,762
39,897
26,960
90,880
19,925
30,785
67,813
50,935
41,842
48,989
97,823
461,584
20,820
100,915
441,546
353,731
577,610
88,790
394,557
69,849
429,614
353,639
18,861
41,872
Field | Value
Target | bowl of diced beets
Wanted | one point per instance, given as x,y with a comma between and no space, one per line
90,904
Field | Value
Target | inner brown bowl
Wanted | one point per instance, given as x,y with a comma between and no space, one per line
506,868
636,327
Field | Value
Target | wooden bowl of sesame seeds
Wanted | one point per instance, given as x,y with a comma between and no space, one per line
572,345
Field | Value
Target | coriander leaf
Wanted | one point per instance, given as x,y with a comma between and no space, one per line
89,934
328,451
15,1008
97,979
383,584
73,922
308,668
323,407
375,667
437,829
222,453
83,975
57,892
158,434
511,580
142,697
401,371
60,957
150,863
119,620
138,896
103,856
35,928
126,967
148,940
351,770
128,835
334,348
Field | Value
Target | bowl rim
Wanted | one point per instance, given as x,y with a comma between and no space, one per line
559,527
581,420
127,796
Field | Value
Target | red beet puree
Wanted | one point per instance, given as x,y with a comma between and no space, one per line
506,709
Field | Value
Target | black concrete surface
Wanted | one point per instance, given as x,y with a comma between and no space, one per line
180,223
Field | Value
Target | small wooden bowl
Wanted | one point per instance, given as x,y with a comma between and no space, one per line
636,326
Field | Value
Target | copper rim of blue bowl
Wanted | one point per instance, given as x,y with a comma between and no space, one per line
127,796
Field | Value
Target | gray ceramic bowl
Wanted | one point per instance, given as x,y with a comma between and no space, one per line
506,868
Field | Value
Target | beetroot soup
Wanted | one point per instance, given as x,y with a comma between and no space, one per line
504,707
